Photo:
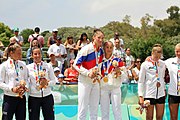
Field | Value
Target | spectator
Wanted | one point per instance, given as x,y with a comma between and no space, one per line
34,44
52,39
82,41
55,64
71,74
70,47
117,36
19,38
129,60
5,54
118,50
59,51
37,36
136,69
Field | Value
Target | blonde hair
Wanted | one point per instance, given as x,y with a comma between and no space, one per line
157,47
12,47
178,45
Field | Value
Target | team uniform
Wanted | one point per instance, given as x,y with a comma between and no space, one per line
110,89
40,98
152,73
88,92
11,72
173,65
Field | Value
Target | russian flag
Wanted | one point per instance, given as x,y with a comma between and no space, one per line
105,65
89,61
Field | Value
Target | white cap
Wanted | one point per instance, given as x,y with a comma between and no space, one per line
61,76
56,69
55,30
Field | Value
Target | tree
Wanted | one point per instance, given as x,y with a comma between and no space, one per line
127,19
5,34
25,33
173,12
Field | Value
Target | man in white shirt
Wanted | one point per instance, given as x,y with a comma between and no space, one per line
59,50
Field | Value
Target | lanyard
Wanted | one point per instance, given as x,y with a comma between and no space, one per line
17,70
37,68
97,55
156,68
106,69
178,78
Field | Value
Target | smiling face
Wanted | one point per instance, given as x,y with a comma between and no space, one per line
36,54
108,48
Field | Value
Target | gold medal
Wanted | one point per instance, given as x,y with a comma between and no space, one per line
158,84
178,83
105,79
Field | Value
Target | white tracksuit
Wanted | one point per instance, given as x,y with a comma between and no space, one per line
49,75
8,75
171,64
111,91
88,92
148,81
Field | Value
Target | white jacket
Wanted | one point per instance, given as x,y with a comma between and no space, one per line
113,83
171,64
148,81
86,61
49,75
8,75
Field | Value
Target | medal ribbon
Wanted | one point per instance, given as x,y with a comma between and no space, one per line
16,69
97,55
178,78
106,69
37,68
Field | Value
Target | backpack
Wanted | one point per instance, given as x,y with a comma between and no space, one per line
35,38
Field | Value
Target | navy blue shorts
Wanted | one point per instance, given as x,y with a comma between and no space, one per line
45,103
153,101
173,99
14,105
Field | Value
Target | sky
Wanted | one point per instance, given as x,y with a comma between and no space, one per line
50,14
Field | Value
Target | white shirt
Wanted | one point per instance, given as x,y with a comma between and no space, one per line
171,64
128,60
148,81
11,75
58,50
49,75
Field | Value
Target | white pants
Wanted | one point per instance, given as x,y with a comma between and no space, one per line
115,97
88,97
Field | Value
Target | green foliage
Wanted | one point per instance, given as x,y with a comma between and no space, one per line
25,33
141,48
5,34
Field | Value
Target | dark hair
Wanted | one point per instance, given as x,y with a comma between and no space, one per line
70,37
33,48
97,31
37,29
83,34
32,42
